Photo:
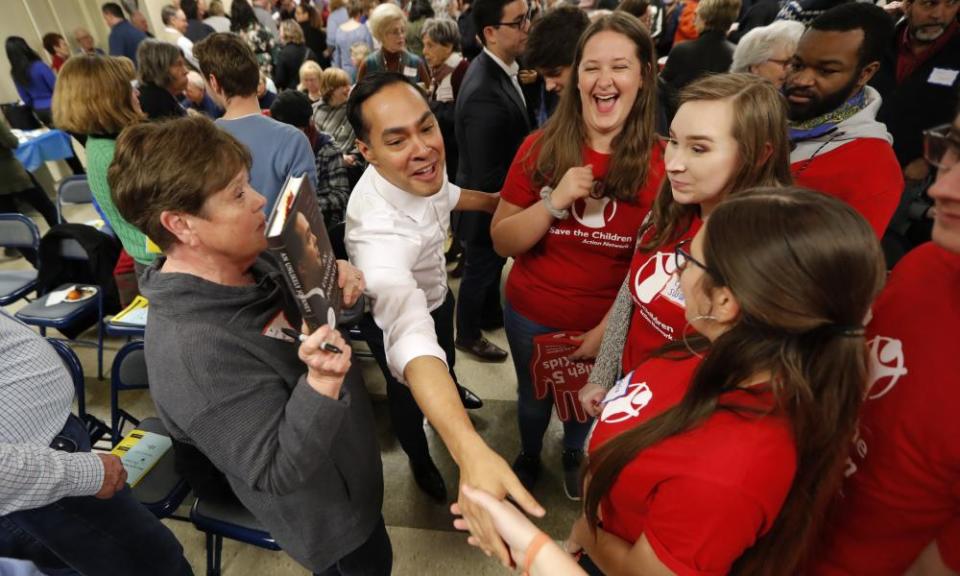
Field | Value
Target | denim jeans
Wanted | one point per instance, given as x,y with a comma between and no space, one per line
373,558
86,535
532,414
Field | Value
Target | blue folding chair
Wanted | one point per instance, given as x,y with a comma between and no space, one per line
67,315
18,231
162,490
219,519
73,190
95,428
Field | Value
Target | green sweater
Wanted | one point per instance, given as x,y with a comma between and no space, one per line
99,156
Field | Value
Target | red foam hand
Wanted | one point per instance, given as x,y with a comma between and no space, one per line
552,372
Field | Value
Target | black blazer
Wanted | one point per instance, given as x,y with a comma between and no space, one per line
491,123
711,52
916,104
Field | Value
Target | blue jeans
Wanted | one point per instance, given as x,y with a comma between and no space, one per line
86,535
532,414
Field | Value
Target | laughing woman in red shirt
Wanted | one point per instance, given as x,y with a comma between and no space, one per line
729,135
723,459
569,213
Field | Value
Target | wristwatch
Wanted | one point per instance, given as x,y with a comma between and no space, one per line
545,193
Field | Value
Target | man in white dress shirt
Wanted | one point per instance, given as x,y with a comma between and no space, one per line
397,220
174,27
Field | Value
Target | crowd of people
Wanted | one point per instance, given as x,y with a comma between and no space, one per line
745,214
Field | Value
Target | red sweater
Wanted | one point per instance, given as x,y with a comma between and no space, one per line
863,173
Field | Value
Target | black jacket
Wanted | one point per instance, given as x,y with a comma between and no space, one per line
286,70
491,123
158,104
102,253
711,52
917,103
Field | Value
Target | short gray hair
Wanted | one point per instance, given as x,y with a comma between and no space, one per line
168,13
443,31
759,44
155,59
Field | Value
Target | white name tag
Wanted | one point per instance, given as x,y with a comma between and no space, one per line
409,71
943,76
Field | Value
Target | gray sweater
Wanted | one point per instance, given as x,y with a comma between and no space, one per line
307,466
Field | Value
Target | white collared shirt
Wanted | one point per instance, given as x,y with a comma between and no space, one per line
511,71
396,239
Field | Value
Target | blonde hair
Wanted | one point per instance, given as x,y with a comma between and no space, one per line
291,32
94,96
718,14
310,68
384,16
331,79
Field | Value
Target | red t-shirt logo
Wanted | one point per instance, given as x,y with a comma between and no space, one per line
887,365
594,212
625,400
653,276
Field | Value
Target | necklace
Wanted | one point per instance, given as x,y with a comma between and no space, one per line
386,65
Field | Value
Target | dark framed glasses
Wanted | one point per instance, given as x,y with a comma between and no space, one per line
941,146
520,22
682,258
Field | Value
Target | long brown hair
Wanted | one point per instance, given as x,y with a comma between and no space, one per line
561,146
804,268
759,122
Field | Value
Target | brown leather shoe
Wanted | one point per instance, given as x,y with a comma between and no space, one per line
483,349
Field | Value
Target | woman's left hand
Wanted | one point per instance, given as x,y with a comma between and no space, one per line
350,280
589,343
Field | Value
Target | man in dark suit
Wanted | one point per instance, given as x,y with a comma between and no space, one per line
492,120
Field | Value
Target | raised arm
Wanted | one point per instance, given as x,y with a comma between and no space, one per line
516,229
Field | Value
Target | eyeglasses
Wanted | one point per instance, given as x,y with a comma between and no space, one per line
682,258
519,23
941,146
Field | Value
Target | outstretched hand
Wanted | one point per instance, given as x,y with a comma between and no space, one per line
486,470
515,529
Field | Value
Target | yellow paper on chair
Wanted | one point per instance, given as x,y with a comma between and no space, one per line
139,452
134,315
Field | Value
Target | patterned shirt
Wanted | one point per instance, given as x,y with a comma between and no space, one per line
36,394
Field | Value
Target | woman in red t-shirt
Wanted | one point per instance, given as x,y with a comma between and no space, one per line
569,212
724,458
729,134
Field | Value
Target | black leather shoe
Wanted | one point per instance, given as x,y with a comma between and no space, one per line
429,480
483,349
527,469
470,400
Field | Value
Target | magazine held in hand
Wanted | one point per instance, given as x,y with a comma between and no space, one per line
298,240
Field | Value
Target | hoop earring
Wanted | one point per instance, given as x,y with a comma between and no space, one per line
687,325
